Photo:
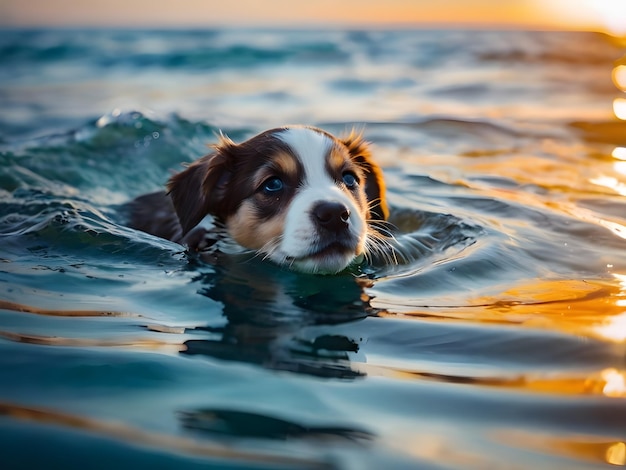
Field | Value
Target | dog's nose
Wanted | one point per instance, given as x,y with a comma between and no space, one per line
332,216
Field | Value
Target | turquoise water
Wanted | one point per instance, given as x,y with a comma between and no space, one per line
497,341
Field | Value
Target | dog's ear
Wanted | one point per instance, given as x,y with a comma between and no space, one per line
374,182
201,188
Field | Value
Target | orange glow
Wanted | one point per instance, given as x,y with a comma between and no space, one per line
619,77
615,383
549,174
608,382
619,153
620,167
598,15
616,454
523,14
619,108
614,327
587,448
586,308
611,183
613,15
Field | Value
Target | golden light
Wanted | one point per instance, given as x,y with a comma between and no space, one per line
600,15
619,153
615,383
619,108
613,14
616,454
619,77
614,327
596,15
611,183
620,167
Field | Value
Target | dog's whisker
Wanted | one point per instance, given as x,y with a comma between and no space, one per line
383,226
269,250
381,246
372,202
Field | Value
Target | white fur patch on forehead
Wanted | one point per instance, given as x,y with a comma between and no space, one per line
311,148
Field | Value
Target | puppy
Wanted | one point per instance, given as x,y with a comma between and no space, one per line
297,195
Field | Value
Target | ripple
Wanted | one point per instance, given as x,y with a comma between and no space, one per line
125,152
168,443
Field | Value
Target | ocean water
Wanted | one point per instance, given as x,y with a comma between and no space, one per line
498,340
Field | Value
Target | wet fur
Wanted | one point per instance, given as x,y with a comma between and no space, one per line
226,182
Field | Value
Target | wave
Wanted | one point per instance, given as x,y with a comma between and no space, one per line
169,49
67,190
123,153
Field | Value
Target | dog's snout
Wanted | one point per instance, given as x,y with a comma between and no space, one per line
333,216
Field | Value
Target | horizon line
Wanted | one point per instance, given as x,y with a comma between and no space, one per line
311,26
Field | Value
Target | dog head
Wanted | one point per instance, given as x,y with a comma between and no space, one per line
297,195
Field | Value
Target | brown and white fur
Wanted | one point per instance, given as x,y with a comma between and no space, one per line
296,195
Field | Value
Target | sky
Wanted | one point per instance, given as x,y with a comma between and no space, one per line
521,14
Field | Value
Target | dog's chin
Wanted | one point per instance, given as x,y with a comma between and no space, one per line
330,259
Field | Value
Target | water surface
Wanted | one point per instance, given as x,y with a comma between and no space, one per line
497,340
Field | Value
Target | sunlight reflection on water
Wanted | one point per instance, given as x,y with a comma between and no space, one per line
505,171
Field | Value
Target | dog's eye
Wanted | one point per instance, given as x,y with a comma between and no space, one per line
272,185
350,180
